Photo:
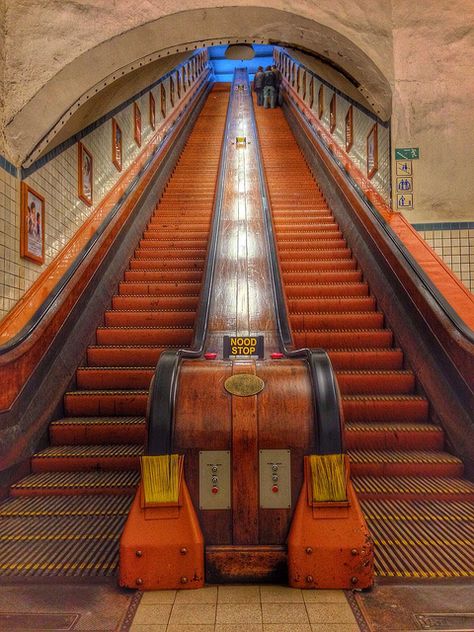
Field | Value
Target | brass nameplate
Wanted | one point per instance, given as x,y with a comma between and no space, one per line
244,385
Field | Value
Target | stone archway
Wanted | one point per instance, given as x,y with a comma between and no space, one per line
35,119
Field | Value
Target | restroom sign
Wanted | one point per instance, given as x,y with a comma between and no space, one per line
243,347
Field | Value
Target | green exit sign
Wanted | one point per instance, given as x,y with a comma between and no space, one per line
407,153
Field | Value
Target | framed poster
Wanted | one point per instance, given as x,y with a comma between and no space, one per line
152,111
349,128
137,124
321,102
178,84
172,91
31,224
116,145
184,78
163,100
372,151
84,174
332,114
304,85
311,92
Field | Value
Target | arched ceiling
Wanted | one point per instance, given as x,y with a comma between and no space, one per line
54,108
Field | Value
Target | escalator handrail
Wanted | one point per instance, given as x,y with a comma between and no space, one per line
328,415
162,394
425,281
54,296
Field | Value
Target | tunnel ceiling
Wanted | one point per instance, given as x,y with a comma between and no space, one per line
98,77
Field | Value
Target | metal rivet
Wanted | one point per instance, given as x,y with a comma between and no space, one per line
354,580
309,550
138,553
183,551
309,579
139,581
354,551
184,580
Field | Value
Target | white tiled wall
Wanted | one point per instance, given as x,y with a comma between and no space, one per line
57,181
362,124
456,248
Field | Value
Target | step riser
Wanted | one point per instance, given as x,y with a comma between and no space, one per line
158,337
140,357
153,253
386,411
381,384
96,434
86,464
343,276
373,320
160,276
328,304
95,405
149,319
452,470
176,289
340,340
66,491
332,290
104,379
382,360
167,264
448,497
155,303
325,266
385,440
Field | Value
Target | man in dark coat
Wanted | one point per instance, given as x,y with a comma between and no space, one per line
258,85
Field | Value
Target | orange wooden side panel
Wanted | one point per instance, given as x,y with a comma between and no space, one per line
329,547
162,547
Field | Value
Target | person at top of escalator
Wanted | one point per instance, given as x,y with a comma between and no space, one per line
269,88
258,85
279,94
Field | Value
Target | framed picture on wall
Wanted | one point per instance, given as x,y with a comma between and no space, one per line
163,100
137,124
31,224
178,84
184,78
311,92
172,91
372,151
84,174
116,145
332,114
349,128
152,111
320,102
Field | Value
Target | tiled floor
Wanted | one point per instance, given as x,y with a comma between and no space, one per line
244,609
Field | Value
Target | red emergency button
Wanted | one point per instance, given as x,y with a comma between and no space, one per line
215,490
276,355
210,356
275,489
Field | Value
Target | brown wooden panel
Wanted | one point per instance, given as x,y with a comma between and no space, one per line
240,564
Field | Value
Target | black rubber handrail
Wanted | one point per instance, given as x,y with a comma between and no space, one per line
391,236
55,295
162,395
328,417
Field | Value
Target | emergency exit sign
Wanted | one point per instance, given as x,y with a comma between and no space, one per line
407,153
243,347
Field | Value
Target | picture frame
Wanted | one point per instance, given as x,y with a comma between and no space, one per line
372,151
137,124
116,145
152,111
163,100
311,92
321,102
332,114
349,128
178,84
172,91
32,210
85,174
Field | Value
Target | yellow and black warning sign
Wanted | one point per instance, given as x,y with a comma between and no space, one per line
243,347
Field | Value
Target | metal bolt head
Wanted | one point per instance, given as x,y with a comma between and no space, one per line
354,580
354,551
138,553
139,581
308,550
183,551
184,580
309,579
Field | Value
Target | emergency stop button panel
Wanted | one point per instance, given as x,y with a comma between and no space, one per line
214,479
275,479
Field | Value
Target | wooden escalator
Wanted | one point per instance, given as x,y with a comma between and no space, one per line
65,518
412,491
